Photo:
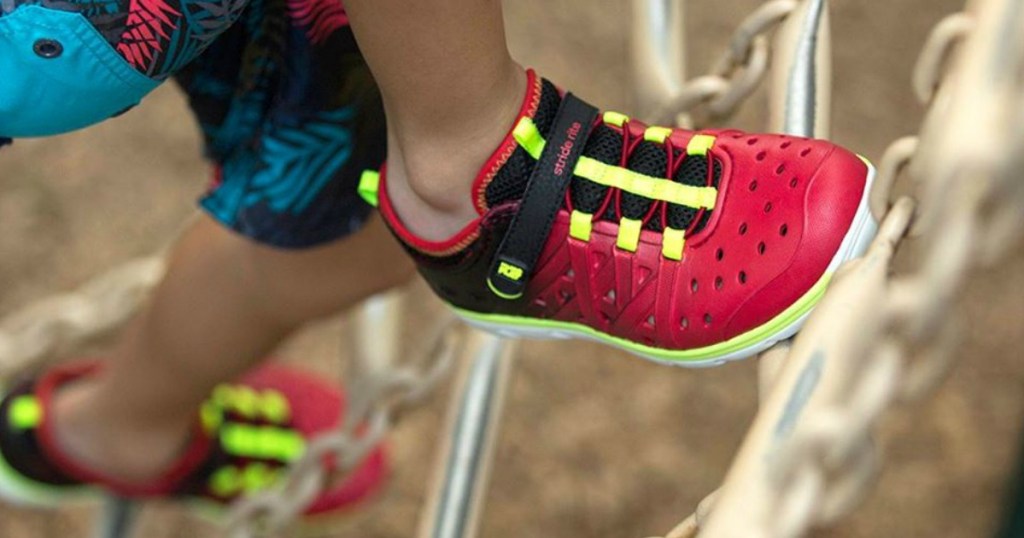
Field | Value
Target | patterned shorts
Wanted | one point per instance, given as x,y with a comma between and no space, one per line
288,109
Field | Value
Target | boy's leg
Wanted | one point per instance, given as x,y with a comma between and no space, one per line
224,304
450,89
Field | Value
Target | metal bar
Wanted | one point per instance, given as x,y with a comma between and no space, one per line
800,101
801,91
659,53
116,518
461,484
376,329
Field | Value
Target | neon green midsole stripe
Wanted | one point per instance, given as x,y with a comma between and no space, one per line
736,343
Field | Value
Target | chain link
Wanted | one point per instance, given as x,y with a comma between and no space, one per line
735,75
890,336
62,322
374,400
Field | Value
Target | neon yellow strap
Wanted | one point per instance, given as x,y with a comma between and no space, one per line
529,137
262,442
211,416
369,183
615,118
274,407
673,241
649,187
666,190
700,144
229,481
629,234
580,225
657,134
225,482
25,413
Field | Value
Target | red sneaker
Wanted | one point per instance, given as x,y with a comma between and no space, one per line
684,247
244,437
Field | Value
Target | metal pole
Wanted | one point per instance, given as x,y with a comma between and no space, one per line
801,91
659,53
116,518
461,484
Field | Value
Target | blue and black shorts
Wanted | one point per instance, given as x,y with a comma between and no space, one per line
288,109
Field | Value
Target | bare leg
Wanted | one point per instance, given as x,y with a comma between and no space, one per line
451,91
224,304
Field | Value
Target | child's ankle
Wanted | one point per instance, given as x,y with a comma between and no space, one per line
107,445
429,178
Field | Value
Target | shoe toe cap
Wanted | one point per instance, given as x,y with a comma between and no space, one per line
800,229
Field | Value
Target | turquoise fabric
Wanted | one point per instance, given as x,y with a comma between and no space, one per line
86,84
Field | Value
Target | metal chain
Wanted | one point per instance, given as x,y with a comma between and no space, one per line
374,399
734,76
68,321
892,335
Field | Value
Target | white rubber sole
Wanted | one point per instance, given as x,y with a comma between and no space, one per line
862,231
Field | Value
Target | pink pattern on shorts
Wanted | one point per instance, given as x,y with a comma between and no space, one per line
320,18
147,30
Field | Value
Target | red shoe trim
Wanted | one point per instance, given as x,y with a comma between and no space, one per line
461,239
449,246
194,455
501,155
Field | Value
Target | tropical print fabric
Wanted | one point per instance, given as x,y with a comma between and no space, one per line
288,109
291,116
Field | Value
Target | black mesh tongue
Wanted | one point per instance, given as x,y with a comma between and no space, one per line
509,183
605,144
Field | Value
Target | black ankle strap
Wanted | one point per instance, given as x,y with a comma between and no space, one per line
517,255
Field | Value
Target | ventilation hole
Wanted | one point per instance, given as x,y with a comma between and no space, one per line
805,152
742,277
570,273
719,282
793,183
780,170
783,230
751,141
719,254
684,323
707,319
605,318
761,156
650,320
610,295
566,296
768,207
693,285
743,229
785,144
761,247
753,185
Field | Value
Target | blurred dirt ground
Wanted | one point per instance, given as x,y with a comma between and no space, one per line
593,444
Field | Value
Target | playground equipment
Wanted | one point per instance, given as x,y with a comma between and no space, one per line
879,337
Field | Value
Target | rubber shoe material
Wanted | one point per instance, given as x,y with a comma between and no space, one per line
245,435
683,247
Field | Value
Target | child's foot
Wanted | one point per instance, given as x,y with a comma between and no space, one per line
685,247
244,436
